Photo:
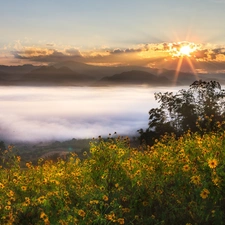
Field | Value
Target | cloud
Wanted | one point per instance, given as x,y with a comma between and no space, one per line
127,50
47,55
142,54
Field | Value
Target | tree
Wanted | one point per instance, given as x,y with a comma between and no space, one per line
198,109
2,147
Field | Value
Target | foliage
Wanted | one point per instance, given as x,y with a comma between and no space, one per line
199,108
175,181
2,149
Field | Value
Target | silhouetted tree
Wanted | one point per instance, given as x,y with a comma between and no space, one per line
200,108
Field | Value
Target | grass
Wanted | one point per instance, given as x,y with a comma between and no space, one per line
175,181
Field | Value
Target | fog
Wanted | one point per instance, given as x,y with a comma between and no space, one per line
63,113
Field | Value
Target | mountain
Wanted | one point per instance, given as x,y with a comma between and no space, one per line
135,77
77,73
51,75
100,71
18,70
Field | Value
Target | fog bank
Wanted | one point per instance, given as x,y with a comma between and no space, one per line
62,113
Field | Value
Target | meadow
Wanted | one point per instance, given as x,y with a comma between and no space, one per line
175,181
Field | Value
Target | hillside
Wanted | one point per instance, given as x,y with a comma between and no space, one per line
135,77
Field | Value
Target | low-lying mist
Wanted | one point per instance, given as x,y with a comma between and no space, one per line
62,113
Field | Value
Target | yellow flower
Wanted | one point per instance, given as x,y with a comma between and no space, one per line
145,203
126,210
204,194
216,181
43,215
8,207
186,168
66,193
212,163
109,217
81,213
27,200
2,185
120,221
24,188
18,158
105,198
124,199
41,199
45,218
10,194
195,179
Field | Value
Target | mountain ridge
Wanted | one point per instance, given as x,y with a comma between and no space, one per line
77,73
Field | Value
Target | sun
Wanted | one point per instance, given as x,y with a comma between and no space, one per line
182,49
184,54
186,50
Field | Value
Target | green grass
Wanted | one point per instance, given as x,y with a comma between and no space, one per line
175,181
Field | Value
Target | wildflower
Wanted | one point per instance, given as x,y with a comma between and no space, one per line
10,194
136,217
139,183
212,163
204,194
105,198
28,165
92,202
45,218
18,158
126,210
8,207
43,215
23,188
2,185
216,181
8,203
195,179
145,203
27,200
81,213
186,168
41,199
66,193
116,185
124,199
109,217
102,188
120,221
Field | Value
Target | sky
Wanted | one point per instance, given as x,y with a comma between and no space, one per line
119,32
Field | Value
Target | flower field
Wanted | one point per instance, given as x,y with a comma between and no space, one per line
175,181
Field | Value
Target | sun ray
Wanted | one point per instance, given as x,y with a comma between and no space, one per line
192,68
185,53
177,70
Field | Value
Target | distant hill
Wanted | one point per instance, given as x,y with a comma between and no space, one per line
18,70
100,71
77,73
52,75
135,77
